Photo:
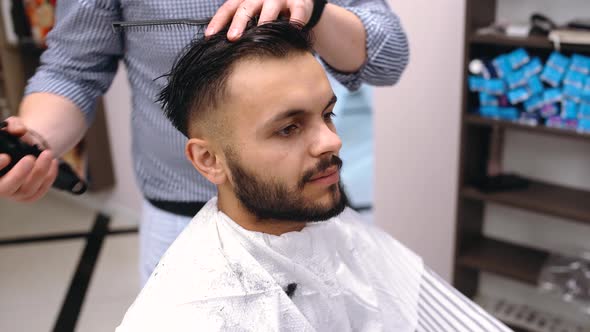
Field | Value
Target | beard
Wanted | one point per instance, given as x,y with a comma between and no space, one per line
272,199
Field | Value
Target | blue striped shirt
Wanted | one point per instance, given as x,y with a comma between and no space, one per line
83,54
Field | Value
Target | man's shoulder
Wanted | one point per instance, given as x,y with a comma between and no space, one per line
198,281
245,311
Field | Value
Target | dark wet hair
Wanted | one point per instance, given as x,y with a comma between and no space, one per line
196,84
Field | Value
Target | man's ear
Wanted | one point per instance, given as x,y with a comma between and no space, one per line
205,160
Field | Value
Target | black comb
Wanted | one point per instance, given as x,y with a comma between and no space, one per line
161,25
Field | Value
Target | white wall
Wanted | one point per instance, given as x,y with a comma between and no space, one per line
417,127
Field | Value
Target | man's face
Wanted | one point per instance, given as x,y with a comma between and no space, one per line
282,154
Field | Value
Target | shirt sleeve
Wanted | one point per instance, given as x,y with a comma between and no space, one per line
82,53
443,308
387,45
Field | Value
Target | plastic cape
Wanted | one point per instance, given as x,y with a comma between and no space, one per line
218,276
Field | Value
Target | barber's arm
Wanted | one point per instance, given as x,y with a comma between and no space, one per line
385,42
360,41
78,66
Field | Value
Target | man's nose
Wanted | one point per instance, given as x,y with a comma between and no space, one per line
326,141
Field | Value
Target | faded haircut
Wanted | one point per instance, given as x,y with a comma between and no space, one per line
197,82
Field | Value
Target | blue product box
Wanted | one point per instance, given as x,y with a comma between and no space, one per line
552,76
552,96
518,95
506,113
558,61
574,93
584,125
574,78
494,87
534,103
535,85
549,110
476,83
584,111
586,90
534,67
488,100
569,109
518,58
502,65
491,86
509,113
490,111
516,79
580,64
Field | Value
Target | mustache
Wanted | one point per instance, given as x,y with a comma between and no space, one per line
321,166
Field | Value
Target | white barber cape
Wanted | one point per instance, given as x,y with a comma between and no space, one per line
217,276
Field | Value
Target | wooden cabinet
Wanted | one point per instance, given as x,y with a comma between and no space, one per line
474,252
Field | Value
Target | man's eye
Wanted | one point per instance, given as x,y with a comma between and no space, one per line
329,116
288,131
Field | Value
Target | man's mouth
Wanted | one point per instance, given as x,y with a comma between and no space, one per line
328,177
325,173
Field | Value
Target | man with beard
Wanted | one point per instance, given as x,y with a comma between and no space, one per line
277,249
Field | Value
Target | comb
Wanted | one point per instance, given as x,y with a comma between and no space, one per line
161,25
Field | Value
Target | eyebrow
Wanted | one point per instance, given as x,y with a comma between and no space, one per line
291,113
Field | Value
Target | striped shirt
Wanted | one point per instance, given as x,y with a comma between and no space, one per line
443,308
83,54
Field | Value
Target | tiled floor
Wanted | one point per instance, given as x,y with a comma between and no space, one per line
45,217
35,278
113,287
38,266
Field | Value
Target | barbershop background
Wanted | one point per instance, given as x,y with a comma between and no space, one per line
478,160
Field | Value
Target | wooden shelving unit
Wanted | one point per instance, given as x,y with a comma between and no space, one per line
505,259
473,119
474,252
533,42
540,197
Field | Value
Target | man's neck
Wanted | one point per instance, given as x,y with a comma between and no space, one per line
232,207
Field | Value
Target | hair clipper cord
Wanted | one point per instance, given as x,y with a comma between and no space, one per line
66,178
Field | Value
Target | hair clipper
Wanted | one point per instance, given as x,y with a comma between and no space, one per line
17,149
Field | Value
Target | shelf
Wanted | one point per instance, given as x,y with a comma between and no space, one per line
524,316
542,198
541,129
538,42
504,259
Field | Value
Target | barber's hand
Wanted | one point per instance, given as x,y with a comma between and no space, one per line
31,177
239,12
